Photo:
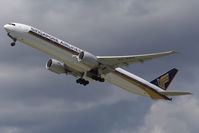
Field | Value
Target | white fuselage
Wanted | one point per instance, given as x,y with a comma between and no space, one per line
67,53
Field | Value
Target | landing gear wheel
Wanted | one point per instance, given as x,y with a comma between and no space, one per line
101,80
98,78
82,81
78,81
12,44
85,83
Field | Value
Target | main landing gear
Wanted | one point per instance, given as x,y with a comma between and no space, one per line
82,81
98,78
93,74
14,40
85,82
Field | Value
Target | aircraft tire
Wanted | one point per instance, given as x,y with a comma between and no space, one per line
12,44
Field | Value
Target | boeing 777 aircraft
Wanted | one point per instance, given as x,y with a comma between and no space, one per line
87,67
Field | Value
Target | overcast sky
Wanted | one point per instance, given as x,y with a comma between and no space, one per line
34,100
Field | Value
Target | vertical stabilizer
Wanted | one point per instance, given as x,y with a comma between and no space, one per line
165,80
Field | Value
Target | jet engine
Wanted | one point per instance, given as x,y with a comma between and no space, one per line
55,66
88,59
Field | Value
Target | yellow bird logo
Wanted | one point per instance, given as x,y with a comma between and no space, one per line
163,80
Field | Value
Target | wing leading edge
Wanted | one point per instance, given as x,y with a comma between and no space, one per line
120,61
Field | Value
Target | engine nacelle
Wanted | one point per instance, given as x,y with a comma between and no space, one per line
55,66
88,59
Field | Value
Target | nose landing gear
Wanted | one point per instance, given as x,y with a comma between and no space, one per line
14,40
12,44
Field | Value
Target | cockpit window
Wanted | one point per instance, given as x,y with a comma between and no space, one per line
12,24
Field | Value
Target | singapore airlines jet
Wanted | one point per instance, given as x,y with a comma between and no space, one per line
87,67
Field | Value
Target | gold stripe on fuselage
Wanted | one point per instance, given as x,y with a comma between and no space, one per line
152,93
54,43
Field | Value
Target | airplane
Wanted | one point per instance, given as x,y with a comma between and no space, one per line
87,67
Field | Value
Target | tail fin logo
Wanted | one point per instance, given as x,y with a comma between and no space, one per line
163,80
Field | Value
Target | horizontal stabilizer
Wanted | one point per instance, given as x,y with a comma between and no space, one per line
174,93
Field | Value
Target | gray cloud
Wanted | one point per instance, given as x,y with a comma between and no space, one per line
35,100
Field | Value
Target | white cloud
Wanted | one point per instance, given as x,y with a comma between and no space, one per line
169,117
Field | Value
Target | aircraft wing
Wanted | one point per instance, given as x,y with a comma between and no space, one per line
120,61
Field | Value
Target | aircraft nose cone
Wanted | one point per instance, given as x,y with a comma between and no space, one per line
7,27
